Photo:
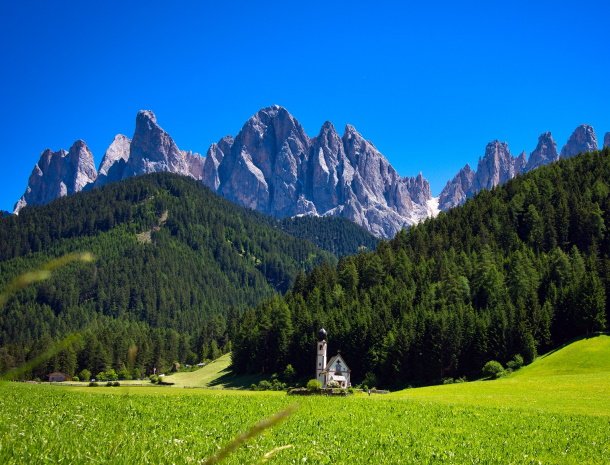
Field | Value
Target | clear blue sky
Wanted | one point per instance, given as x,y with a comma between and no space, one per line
430,84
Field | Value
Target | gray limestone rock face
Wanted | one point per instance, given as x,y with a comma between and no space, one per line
216,153
456,191
323,175
195,164
582,140
520,163
58,174
544,153
262,169
152,150
496,167
607,140
114,161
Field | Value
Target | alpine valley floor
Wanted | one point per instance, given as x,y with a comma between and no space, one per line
557,410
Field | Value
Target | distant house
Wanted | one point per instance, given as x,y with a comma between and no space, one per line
335,371
57,377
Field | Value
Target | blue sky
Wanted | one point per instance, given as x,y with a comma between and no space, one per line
429,83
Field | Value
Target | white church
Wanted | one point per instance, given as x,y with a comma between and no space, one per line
335,370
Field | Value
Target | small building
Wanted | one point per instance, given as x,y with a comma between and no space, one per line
57,377
333,371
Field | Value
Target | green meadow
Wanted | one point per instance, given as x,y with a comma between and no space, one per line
557,410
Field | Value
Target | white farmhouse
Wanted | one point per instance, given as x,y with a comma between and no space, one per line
335,369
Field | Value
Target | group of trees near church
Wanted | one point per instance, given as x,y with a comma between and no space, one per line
170,294
520,269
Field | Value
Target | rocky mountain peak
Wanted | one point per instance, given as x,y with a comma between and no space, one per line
118,150
457,189
263,167
607,140
153,150
496,167
582,140
544,153
58,174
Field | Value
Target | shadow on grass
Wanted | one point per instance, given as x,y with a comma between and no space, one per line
228,379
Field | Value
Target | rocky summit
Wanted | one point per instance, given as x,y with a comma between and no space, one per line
271,166
456,191
582,140
274,167
607,140
498,166
58,174
544,153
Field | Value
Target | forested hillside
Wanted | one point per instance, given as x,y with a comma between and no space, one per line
173,264
516,270
337,235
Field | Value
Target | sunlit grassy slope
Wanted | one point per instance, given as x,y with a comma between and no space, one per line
216,374
203,376
574,379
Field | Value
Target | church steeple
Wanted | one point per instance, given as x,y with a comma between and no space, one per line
321,356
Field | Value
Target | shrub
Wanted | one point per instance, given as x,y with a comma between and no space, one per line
75,378
448,381
93,384
493,369
313,385
154,379
516,362
85,375
109,384
333,384
116,384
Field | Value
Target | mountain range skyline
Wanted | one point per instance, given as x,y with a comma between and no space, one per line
274,167
429,90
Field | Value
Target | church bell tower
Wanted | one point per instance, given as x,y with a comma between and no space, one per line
321,357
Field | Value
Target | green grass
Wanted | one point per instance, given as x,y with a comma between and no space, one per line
542,414
203,376
216,374
574,379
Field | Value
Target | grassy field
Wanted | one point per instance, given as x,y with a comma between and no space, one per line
203,376
215,375
575,379
530,417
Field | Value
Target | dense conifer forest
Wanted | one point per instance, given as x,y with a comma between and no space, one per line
174,265
520,270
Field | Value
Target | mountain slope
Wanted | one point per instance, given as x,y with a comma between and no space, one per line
173,261
519,269
574,379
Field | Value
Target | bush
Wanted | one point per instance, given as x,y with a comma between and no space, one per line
75,378
154,379
93,384
85,375
333,384
313,385
109,384
116,384
515,363
493,369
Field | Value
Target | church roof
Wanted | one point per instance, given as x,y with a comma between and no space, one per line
335,359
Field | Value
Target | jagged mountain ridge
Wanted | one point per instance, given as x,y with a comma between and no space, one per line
271,166
498,166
